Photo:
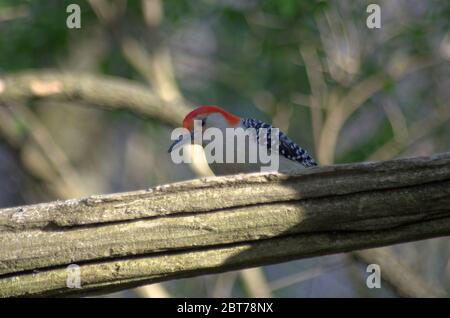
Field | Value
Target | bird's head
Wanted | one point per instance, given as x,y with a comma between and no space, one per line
209,116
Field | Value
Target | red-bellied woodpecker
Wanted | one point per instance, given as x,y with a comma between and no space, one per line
290,156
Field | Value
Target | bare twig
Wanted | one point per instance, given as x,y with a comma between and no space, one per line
417,131
318,89
256,283
223,287
70,182
405,282
344,107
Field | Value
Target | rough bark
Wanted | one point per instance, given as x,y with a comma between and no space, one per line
218,224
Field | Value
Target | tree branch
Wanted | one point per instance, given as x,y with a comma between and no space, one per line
405,281
105,91
219,224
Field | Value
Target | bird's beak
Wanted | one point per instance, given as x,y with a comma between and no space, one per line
180,142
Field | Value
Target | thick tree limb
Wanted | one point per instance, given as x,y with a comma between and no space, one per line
105,91
218,224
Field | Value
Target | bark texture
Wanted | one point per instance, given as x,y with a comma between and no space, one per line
222,223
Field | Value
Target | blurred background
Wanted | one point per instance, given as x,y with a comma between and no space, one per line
345,92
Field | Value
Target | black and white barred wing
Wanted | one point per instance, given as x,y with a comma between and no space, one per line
286,147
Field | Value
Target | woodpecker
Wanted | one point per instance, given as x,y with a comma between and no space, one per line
291,156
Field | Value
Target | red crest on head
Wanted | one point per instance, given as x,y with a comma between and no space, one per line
188,121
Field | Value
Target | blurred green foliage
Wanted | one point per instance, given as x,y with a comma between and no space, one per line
247,56
252,48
